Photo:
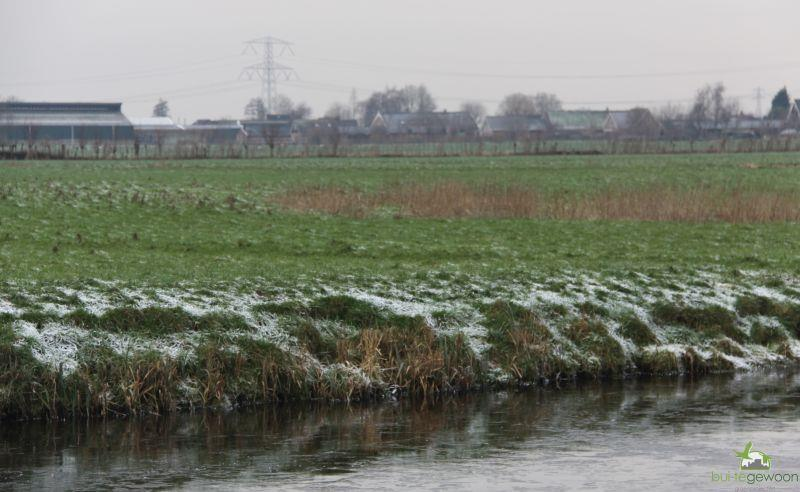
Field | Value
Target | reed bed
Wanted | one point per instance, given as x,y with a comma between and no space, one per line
455,199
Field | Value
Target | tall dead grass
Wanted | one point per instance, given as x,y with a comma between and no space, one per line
454,199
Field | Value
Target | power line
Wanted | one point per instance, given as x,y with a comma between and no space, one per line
221,86
633,75
139,74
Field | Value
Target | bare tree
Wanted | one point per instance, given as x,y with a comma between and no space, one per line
517,104
544,102
339,111
301,111
710,105
284,105
418,99
409,99
256,109
475,109
670,112
161,108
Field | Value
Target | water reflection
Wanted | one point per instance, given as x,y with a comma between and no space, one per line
292,444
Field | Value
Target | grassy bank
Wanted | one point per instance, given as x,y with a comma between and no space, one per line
137,287
116,349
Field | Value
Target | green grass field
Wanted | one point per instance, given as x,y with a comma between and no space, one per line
121,280
163,222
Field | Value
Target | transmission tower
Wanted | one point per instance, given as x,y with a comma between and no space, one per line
268,71
758,95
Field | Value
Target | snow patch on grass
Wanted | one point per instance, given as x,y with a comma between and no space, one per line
614,295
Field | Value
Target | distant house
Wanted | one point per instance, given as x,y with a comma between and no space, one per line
793,116
637,122
64,123
274,129
578,123
739,126
216,132
744,126
458,123
156,130
352,131
514,127
328,131
424,124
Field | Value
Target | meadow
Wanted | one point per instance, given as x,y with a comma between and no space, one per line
143,286
204,220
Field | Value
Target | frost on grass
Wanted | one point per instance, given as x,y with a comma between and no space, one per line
702,325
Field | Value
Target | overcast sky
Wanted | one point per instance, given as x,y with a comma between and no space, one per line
598,54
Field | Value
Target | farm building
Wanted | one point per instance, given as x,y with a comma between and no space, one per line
576,124
749,126
156,130
275,129
328,131
741,126
637,122
424,124
514,127
64,123
352,131
215,132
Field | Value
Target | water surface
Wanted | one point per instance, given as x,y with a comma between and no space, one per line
631,435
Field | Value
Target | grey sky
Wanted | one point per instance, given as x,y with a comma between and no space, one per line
190,52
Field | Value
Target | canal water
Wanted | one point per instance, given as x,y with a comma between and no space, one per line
661,434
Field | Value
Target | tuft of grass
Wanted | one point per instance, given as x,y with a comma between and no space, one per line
287,308
592,339
358,313
790,318
693,362
348,310
589,308
413,359
637,331
712,320
658,361
38,318
718,363
728,346
156,321
784,348
752,305
787,313
522,344
767,335
310,338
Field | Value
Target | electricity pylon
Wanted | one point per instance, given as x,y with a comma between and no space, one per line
268,71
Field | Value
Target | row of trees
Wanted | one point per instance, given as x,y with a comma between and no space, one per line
711,104
256,109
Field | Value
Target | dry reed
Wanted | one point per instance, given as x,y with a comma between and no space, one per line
454,199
